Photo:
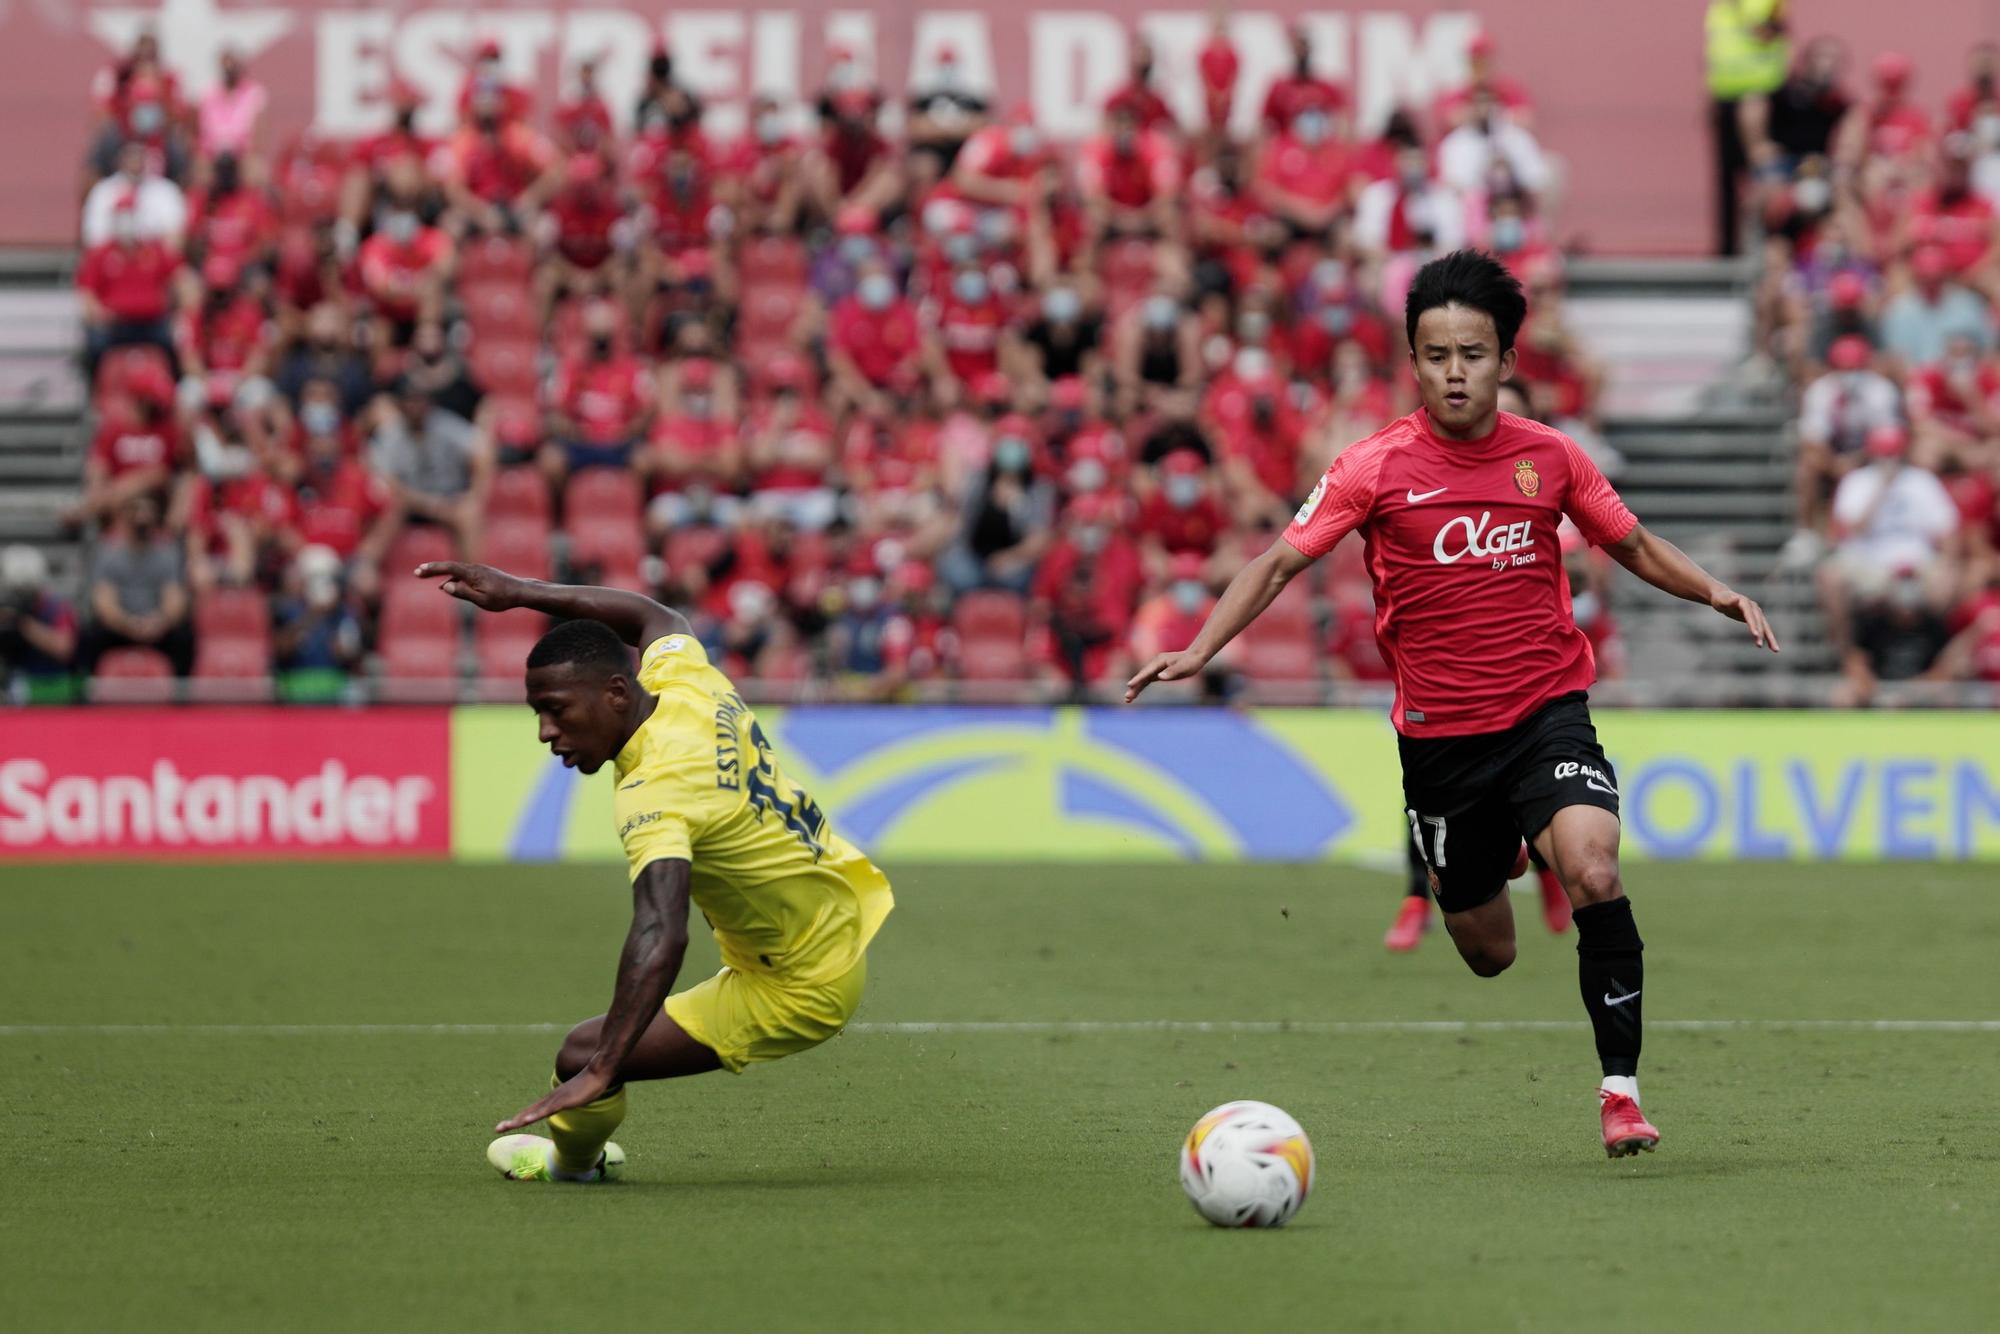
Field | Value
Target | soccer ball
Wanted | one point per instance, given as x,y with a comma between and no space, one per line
1247,1164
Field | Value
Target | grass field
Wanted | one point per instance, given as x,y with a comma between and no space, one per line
283,1141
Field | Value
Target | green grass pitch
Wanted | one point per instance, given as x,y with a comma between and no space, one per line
298,1170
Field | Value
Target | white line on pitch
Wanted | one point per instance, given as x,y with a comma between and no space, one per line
1050,1027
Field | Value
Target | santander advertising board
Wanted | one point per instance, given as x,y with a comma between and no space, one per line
225,783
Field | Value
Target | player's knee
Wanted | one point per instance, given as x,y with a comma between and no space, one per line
1491,958
577,1048
1597,881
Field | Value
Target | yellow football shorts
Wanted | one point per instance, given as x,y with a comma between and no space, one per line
745,1017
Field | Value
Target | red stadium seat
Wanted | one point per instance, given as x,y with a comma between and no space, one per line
518,546
1284,651
992,660
990,614
420,657
1128,270
417,544
232,658
519,493
417,608
237,613
694,548
500,310
502,641
768,314
610,493
494,259
510,366
517,420
134,663
772,260
124,367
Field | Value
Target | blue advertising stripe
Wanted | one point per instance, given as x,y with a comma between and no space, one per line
538,831
864,819
835,739
1083,795
1279,808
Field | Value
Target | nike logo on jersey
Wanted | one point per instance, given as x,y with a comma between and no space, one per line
1609,999
1413,497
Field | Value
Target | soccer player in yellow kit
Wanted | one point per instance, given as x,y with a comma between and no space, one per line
704,813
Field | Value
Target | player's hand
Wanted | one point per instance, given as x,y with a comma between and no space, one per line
587,1085
1739,608
1165,667
483,586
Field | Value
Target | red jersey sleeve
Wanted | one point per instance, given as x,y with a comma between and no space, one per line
1339,504
1591,504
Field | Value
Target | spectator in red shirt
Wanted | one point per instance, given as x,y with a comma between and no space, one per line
1138,96
1889,125
1130,179
310,177
874,345
1168,621
1454,108
342,504
585,226
681,198
965,325
127,286
583,121
497,170
229,219
694,462
788,453
1086,588
141,103
762,179
395,151
853,165
1003,164
1304,175
1954,404
224,339
1301,90
1182,513
600,403
1951,217
486,86
403,270
1252,419
1217,63
138,450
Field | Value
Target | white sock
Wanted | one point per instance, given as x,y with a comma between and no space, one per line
1625,1084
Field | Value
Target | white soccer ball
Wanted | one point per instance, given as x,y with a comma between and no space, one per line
1247,1164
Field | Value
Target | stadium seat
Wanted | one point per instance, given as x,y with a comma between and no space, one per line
768,314
419,658
232,613
992,660
990,614
602,523
123,367
772,260
519,493
518,546
1284,651
232,658
517,420
499,310
413,608
602,493
134,663
1128,270
494,259
505,365
691,548
419,543
502,641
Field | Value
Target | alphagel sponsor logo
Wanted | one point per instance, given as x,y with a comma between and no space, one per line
1465,536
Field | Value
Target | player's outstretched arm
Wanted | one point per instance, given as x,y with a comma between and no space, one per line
1254,588
654,948
638,619
1668,568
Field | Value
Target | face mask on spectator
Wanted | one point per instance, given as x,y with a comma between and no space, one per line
1187,596
1183,491
124,227
1812,194
1124,141
1509,234
1253,327
1062,305
1087,475
1987,129
877,291
857,249
1022,140
770,127
1906,594
1413,175
969,286
1330,275
1161,312
1253,363
1011,454
147,118
1311,127
698,406
401,226
1090,539
1336,320
319,418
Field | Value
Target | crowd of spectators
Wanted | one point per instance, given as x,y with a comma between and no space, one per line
878,394
1880,210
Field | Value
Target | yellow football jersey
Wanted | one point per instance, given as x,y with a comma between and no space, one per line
782,892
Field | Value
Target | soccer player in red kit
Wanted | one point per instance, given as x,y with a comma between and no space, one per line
1458,505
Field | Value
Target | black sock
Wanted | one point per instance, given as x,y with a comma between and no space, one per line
1610,970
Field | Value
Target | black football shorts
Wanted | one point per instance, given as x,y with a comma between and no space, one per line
1472,799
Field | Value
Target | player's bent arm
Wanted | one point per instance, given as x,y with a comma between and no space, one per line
651,960
1255,587
637,619
1669,569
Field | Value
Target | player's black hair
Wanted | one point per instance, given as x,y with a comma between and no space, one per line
1470,278
589,646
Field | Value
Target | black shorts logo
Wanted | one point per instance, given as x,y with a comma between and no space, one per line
1593,777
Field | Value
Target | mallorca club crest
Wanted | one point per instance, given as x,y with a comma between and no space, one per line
1527,478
